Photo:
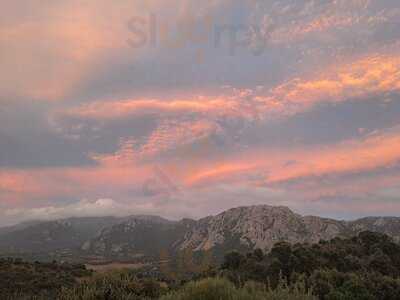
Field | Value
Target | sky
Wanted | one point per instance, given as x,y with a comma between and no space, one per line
185,108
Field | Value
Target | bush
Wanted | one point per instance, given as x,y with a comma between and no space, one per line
114,286
221,289
24,280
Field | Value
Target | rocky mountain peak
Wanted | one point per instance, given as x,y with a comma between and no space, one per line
241,228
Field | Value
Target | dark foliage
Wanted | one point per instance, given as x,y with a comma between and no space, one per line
363,267
115,286
39,279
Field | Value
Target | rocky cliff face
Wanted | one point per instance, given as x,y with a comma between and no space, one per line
260,227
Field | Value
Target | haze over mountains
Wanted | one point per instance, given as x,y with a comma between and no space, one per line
242,228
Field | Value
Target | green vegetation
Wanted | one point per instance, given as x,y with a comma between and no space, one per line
21,280
219,288
115,285
365,267
124,285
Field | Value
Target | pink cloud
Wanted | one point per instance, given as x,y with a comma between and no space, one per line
271,165
369,75
108,110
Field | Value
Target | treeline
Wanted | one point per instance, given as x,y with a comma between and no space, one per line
365,267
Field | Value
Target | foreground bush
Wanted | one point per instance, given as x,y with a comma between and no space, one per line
114,286
24,280
332,285
121,286
222,289
366,267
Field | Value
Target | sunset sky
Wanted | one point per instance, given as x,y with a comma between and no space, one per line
187,108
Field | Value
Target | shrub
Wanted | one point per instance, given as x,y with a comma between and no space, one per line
222,289
114,286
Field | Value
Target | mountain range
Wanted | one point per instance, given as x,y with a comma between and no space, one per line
242,228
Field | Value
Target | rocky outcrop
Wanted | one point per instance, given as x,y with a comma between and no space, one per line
260,227
387,225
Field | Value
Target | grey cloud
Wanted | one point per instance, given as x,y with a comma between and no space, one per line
28,140
327,123
164,69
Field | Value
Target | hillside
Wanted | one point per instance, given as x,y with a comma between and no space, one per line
65,235
364,267
243,228
136,237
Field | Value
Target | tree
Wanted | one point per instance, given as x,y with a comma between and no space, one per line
232,260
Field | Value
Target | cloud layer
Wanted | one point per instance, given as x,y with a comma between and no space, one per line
224,103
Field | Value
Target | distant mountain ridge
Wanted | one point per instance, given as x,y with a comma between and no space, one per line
241,228
48,236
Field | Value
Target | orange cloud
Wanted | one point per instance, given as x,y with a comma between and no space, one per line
222,172
370,75
126,170
172,135
121,109
353,156
23,185
277,166
375,74
118,172
326,19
